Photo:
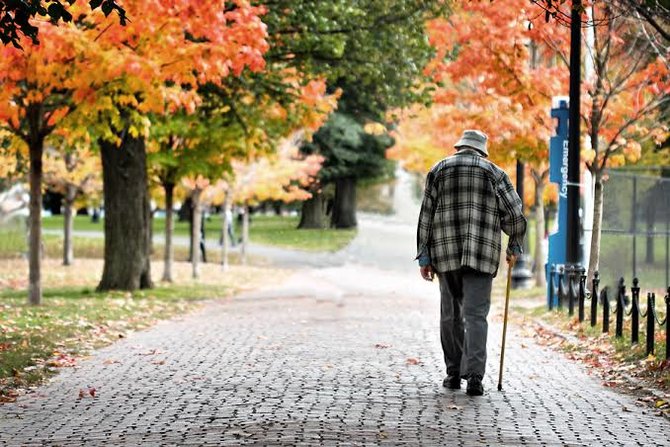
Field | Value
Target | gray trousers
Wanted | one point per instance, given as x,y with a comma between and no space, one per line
466,299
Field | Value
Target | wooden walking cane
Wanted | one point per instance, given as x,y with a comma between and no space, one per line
502,349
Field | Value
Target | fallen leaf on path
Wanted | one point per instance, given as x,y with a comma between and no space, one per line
382,346
8,396
413,361
110,361
158,362
61,360
152,352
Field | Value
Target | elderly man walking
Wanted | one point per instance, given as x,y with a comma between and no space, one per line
467,201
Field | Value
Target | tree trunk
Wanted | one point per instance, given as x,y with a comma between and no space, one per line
313,212
277,207
36,148
127,214
225,235
68,223
245,234
344,208
539,233
195,232
189,216
168,255
594,260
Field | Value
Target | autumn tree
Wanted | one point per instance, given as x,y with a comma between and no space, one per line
241,118
41,84
286,175
116,75
74,173
172,51
623,98
627,91
188,149
372,50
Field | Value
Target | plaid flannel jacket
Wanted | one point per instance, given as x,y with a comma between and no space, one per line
467,201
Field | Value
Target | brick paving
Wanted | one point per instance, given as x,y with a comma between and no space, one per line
336,356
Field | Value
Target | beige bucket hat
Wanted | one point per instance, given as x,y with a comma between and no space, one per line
475,139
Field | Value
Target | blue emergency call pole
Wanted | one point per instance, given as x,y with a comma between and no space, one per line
558,173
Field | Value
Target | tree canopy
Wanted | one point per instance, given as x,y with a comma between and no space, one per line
16,16
373,50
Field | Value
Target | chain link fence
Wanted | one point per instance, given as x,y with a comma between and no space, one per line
635,238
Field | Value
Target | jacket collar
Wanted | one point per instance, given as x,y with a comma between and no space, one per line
468,151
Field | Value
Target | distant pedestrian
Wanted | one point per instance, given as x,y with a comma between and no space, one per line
467,201
228,216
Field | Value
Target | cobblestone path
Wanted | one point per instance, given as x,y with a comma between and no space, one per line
338,356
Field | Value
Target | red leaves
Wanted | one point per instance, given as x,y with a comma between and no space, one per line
61,360
88,391
8,396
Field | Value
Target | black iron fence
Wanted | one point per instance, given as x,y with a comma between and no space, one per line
567,287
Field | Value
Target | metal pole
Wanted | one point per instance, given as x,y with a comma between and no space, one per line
552,274
572,240
561,288
571,297
594,298
651,302
606,310
620,307
582,293
667,244
633,227
635,313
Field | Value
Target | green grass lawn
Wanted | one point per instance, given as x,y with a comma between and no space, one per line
282,232
74,320
268,230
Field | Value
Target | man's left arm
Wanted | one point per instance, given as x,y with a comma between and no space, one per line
513,222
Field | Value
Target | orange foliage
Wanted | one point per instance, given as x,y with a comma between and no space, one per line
79,169
486,80
150,65
285,176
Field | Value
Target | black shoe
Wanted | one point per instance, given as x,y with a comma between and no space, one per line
475,387
452,381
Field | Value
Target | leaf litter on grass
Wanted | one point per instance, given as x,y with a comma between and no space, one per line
646,377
